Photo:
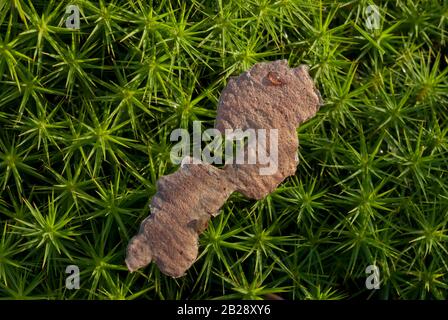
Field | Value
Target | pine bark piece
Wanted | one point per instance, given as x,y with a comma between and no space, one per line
268,96
180,210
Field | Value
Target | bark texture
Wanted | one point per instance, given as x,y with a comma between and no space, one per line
268,96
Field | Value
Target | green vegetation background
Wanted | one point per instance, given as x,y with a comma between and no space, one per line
85,118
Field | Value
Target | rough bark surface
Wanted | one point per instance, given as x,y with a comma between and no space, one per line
268,96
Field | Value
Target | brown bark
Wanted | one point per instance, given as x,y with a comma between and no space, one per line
268,96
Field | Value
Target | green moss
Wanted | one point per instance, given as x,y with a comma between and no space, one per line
85,119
